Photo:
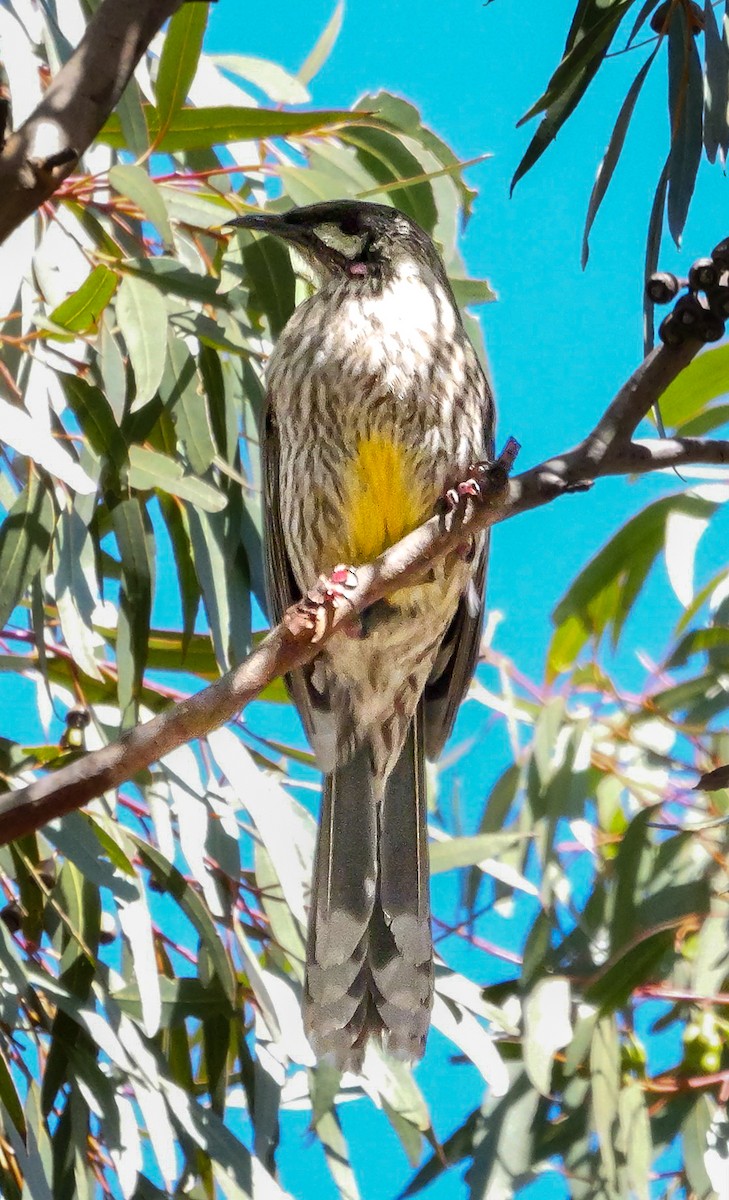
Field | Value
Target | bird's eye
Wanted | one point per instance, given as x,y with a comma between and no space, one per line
334,236
350,223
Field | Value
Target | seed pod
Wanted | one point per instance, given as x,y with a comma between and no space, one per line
77,719
660,20
720,254
662,287
711,329
703,274
689,312
11,917
718,299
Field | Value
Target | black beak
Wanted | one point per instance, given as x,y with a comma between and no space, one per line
265,222
298,233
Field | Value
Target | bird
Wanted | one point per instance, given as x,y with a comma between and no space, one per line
376,403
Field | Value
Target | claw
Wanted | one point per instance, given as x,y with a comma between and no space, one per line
480,474
328,595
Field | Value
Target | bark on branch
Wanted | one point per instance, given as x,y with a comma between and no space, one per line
37,157
607,450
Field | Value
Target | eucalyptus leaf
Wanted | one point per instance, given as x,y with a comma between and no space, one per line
142,319
685,107
178,62
25,538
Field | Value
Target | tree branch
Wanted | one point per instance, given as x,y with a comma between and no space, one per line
607,450
43,152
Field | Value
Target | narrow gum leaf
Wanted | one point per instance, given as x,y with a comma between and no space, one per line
324,45
178,62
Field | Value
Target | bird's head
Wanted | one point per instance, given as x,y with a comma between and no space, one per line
350,239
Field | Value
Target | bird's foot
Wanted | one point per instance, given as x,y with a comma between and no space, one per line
484,476
324,600
487,480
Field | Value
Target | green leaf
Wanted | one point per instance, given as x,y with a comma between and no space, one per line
457,1147
272,79
685,107
76,590
594,26
503,1155
705,422
199,128
271,280
257,983
711,964
605,1079
547,1028
460,1026
148,469
614,149
113,369
76,838
25,538
223,576
130,113
9,1096
403,117
178,528
135,183
323,46
633,868
81,310
174,883
390,157
643,15
683,534
178,63
635,1138
603,594
32,1156
695,1131
183,394
34,438
641,960
652,251
142,317
716,86
135,540
96,419
136,925
182,999
471,291
172,278
705,379
454,853
331,1135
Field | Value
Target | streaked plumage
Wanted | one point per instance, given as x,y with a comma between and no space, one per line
376,405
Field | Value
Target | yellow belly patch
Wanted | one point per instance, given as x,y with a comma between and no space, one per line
384,499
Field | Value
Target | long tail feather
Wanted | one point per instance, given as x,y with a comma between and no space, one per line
369,954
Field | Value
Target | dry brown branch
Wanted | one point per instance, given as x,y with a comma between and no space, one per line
46,148
607,450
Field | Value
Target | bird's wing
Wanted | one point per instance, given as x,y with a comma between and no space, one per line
458,654
282,589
